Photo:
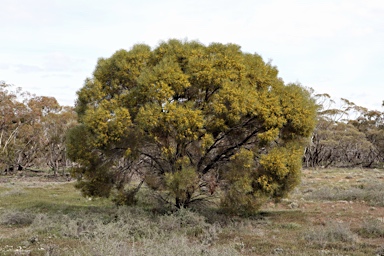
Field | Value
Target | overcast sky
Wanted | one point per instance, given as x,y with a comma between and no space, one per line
49,47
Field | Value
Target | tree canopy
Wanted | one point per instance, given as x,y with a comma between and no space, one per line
186,119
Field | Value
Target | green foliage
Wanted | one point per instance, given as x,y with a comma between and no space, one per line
182,184
178,113
78,145
98,182
125,197
241,197
280,170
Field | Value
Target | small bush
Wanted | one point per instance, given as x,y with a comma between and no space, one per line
371,228
17,218
331,234
64,225
375,194
174,245
134,231
125,197
191,224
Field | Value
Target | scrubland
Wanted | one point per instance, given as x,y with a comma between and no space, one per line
332,212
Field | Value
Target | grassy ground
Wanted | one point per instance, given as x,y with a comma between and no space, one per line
332,212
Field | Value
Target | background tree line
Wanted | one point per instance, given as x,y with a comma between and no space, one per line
32,131
346,135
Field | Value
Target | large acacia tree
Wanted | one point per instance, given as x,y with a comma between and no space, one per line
188,118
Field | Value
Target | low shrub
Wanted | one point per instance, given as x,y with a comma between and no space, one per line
165,245
331,234
371,193
371,228
134,231
15,217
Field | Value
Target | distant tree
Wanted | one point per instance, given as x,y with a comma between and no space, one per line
14,121
51,121
57,125
186,118
32,129
371,124
344,135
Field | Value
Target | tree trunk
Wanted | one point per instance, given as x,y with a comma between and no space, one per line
183,203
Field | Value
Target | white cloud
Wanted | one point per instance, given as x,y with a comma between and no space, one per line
23,69
60,62
4,66
334,46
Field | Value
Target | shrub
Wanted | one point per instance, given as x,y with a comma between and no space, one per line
331,234
134,231
13,217
371,228
190,224
174,245
371,193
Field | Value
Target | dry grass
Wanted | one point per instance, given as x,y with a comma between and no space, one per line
333,234
333,212
16,218
371,228
372,193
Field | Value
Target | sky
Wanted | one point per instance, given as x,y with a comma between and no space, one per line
49,47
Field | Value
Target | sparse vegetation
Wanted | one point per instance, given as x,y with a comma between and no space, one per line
352,189
11,218
41,216
371,228
333,234
371,193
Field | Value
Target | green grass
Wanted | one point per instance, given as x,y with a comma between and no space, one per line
42,217
53,198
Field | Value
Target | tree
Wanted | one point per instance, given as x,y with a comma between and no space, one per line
51,121
32,129
181,116
370,123
346,135
14,122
